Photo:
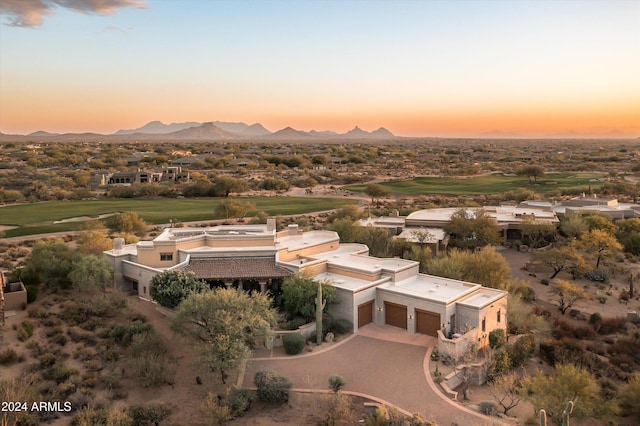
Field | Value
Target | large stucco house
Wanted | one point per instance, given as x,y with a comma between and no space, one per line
369,289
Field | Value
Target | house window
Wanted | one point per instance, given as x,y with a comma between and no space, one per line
166,257
499,315
144,289
484,324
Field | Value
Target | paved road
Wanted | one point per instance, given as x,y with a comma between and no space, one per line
388,370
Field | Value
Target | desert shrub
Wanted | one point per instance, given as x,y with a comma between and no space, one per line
341,326
336,382
496,338
272,387
154,369
64,389
239,401
25,331
89,380
293,343
612,325
295,323
500,364
526,293
544,281
584,333
9,356
124,334
37,313
521,350
60,373
152,413
32,293
600,275
59,339
595,319
107,351
488,408
627,345
624,361
77,335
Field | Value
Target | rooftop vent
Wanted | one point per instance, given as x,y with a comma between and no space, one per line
118,243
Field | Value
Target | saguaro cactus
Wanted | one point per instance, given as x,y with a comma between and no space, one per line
320,304
543,418
566,413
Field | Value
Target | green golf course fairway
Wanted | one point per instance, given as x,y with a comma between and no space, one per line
492,184
38,218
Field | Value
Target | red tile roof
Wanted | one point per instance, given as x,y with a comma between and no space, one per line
236,268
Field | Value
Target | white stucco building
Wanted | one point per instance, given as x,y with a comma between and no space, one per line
369,290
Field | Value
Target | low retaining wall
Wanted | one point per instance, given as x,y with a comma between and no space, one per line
306,330
15,297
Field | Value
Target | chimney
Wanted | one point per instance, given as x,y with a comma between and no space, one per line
271,224
293,229
118,243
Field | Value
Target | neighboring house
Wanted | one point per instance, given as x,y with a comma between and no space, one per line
509,219
369,289
171,174
589,203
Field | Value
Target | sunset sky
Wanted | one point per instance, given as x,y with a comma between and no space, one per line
418,68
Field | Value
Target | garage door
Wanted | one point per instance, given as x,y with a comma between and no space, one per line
395,315
365,314
427,322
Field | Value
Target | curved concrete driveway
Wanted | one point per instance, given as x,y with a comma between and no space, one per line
391,371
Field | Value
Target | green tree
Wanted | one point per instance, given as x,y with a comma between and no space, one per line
170,288
377,239
560,259
347,230
50,263
128,222
567,382
376,191
472,229
601,222
531,171
225,185
231,207
94,242
600,243
522,319
629,397
486,267
567,294
226,323
299,293
537,233
573,225
628,235
92,272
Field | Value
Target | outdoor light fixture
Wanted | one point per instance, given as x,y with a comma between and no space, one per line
379,308
410,316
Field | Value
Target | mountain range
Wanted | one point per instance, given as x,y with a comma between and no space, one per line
220,130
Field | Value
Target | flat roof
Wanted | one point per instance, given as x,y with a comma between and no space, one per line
349,255
482,297
437,233
347,283
436,214
430,287
301,240
176,234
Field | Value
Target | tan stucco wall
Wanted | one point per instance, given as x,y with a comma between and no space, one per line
15,300
286,255
351,273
